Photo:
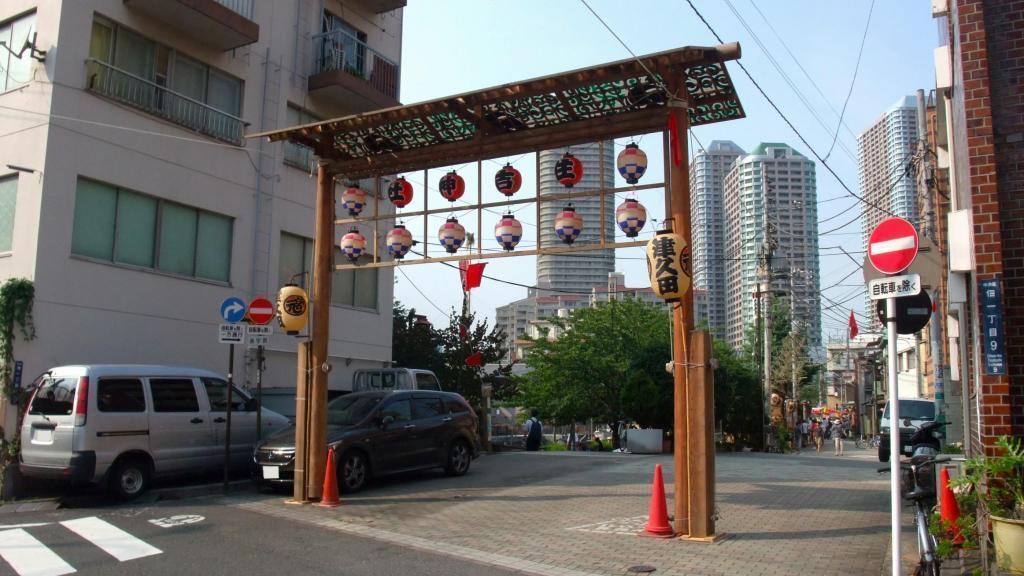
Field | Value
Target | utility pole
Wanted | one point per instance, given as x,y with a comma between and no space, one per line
765,288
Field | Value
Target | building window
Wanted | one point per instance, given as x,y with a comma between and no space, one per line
8,200
127,227
356,288
16,72
158,79
298,155
346,48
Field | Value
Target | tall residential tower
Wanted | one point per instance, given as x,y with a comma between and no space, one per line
776,178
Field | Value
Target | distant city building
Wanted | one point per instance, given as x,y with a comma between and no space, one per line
707,213
578,272
883,151
776,177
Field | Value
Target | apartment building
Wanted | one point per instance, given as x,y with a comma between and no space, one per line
132,198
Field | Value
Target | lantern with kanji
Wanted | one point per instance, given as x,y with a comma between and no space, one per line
569,170
353,245
631,217
632,163
568,224
508,180
668,263
292,309
353,199
452,186
452,235
508,232
400,192
398,241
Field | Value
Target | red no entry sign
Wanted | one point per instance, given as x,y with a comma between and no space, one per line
261,311
892,245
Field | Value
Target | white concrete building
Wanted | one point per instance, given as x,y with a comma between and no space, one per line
707,216
776,178
132,200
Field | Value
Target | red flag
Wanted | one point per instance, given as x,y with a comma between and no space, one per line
475,359
853,326
474,275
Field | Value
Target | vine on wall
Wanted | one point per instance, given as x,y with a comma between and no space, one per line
16,297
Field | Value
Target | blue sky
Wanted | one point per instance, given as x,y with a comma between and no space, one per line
463,45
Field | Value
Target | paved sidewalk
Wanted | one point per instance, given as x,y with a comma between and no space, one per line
578,513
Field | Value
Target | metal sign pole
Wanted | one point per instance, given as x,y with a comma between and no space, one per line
227,429
894,433
259,393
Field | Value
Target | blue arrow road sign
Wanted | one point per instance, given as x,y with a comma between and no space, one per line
232,310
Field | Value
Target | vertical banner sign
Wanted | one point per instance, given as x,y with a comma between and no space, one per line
992,326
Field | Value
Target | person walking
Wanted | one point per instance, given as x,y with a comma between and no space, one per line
534,432
837,436
816,434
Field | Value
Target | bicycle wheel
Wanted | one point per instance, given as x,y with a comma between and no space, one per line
927,569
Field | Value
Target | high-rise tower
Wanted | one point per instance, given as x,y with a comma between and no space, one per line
707,175
774,185
578,272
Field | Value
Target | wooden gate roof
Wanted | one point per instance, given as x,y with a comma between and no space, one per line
607,101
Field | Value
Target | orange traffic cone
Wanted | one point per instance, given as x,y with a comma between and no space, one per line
330,498
657,516
948,508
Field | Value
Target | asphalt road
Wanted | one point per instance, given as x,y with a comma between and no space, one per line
200,536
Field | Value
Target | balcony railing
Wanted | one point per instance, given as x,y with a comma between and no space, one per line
340,50
116,84
243,7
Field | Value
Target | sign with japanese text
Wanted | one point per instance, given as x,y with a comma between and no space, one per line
231,333
894,287
992,326
668,263
257,335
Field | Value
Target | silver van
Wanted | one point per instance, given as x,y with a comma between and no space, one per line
388,379
127,424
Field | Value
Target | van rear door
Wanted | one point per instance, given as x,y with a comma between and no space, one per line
48,431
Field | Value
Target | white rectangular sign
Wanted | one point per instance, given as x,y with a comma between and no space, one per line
894,286
232,333
257,335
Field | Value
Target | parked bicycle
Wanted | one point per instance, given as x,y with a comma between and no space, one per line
865,442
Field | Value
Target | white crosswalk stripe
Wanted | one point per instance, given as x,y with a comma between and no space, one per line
30,557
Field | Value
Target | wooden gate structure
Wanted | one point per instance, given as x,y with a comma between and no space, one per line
665,92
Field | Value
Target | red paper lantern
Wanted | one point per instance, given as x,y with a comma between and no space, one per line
452,186
508,180
569,170
400,192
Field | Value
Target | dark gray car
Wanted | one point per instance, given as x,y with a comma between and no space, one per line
378,433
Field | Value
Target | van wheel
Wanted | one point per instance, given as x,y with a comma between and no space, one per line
353,472
458,458
883,455
129,478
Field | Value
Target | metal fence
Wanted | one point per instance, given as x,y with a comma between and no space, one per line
340,50
116,84
243,7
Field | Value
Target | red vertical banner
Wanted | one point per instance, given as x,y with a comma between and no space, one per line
474,275
673,135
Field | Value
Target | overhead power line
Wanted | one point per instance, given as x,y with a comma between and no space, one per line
853,80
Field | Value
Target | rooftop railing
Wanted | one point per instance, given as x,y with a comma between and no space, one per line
341,50
131,90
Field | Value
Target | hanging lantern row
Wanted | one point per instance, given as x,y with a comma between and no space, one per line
632,163
451,235
508,232
631,217
508,180
569,170
568,224
398,241
452,186
354,200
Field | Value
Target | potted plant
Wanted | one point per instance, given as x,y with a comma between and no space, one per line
998,483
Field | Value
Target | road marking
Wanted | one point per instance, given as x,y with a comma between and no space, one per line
35,525
110,538
894,245
30,557
179,520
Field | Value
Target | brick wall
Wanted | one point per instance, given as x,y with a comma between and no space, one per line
992,57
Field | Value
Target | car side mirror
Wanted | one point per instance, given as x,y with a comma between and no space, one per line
250,405
907,422
386,420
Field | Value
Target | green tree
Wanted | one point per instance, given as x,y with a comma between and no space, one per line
607,364
738,396
414,342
